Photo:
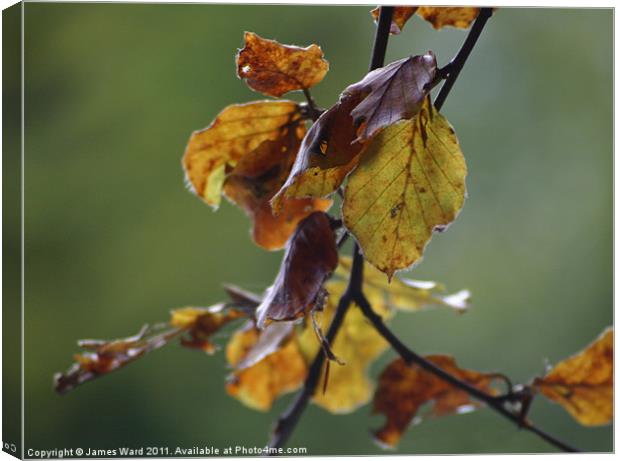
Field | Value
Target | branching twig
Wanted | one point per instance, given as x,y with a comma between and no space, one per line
287,421
313,111
454,67
411,357
354,291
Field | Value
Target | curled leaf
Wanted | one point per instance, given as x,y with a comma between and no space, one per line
274,69
310,257
400,16
202,322
257,177
404,388
102,356
269,341
402,293
409,182
328,153
455,16
583,383
258,385
238,130
392,93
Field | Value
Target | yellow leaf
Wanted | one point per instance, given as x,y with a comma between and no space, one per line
274,69
583,383
258,385
237,131
409,182
441,16
357,344
402,293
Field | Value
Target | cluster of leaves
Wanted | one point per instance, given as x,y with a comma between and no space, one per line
405,178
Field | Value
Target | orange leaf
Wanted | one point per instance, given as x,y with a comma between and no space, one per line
583,383
257,177
275,69
442,16
403,389
279,372
202,322
327,154
311,256
400,16
392,93
237,131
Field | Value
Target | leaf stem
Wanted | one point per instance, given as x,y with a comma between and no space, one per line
453,69
313,111
288,420
410,357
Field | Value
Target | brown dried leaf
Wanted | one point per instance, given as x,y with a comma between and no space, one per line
237,131
583,383
259,384
311,256
327,154
202,322
392,93
442,16
274,69
400,16
403,389
103,356
254,181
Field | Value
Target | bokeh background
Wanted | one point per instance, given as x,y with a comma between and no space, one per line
113,239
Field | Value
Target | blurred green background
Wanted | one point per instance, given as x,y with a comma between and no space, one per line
114,240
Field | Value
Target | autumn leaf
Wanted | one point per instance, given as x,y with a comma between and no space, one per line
392,93
258,385
357,344
257,177
438,16
409,182
102,356
583,383
310,258
274,69
404,388
400,16
327,154
237,131
402,293
202,322
442,16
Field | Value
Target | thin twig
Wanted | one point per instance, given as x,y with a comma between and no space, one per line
313,111
454,67
288,420
411,357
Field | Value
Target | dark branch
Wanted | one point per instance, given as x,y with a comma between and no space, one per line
313,111
409,356
288,420
453,69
